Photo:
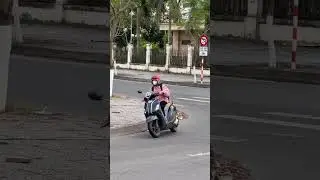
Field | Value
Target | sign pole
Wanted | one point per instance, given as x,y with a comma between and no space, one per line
203,51
202,70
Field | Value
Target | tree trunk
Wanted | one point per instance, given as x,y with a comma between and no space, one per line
169,27
5,44
138,28
169,24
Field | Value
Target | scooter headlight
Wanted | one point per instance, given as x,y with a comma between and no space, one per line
157,107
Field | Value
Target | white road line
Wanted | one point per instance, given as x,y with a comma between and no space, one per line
227,139
199,154
286,135
304,116
203,98
268,121
196,100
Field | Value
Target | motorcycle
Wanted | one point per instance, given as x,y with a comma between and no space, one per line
157,119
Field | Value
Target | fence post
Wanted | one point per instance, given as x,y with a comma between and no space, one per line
148,55
113,55
168,56
129,57
189,60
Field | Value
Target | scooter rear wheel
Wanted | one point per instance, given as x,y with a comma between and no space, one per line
154,129
174,128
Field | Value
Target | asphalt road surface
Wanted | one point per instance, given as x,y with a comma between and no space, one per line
63,87
180,156
273,128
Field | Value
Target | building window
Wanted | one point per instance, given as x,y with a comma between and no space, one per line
186,42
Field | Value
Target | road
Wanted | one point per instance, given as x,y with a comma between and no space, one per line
63,87
271,127
180,156
274,128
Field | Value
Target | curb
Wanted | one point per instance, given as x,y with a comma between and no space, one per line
127,130
188,84
276,75
61,55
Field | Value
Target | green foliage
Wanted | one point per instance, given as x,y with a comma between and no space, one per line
198,21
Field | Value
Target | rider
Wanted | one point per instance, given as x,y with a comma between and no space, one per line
160,89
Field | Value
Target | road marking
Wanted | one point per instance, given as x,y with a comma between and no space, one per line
268,121
227,139
286,135
197,100
199,154
203,98
304,116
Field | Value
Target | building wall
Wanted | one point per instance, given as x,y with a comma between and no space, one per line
178,37
245,26
70,15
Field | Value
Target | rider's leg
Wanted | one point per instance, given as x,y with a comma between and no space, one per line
163,105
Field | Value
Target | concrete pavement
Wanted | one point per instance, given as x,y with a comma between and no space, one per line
63,87
183,155
273,128
66,145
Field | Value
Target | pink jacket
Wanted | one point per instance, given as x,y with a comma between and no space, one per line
164,94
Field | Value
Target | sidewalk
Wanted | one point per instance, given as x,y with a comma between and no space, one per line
173,79
224,168
52,147
127,115
235,52
125,112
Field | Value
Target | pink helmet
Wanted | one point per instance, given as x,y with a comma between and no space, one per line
155,77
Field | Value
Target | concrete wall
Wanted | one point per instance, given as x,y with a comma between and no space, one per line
5,48
177,46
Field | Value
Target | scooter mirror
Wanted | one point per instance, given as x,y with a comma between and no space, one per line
95,96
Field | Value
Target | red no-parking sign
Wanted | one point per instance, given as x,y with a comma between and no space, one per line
204,40
203,49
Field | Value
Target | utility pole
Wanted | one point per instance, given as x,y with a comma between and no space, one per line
272,49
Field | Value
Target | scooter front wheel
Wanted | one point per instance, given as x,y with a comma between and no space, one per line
154,129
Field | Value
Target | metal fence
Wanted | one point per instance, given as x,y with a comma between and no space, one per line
158,57
308,9
196,60
38,4
121,55
228,8
179,59
139,56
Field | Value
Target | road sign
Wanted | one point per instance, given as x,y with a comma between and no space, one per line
204,40
203,51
